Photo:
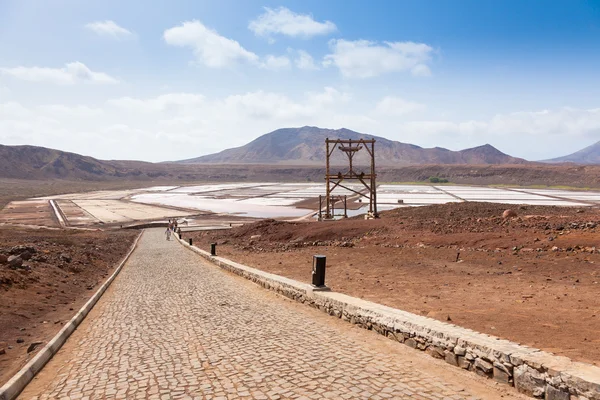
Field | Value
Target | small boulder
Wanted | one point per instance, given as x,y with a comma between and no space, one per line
15,261
39,258
65,257
26,255
33,346
3,259
509,214
22,248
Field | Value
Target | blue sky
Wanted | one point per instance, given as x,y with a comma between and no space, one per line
164,80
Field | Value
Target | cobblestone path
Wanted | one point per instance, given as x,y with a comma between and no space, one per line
174,327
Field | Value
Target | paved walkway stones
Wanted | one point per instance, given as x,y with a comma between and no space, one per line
174,326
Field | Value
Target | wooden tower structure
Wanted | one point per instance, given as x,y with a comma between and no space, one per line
350,147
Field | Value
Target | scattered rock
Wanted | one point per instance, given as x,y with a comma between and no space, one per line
26,255
33,346
65,257
255,236
22,249
20,340
3,259
15,261
39,258
509,214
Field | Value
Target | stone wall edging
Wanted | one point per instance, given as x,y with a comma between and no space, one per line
11,389
532,371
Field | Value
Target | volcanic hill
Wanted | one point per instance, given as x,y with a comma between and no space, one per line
588,155
306,146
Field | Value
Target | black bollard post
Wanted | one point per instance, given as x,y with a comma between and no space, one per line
318,272
213,249
190,239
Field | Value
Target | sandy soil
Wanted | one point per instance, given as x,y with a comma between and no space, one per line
65,269
534,279
33,212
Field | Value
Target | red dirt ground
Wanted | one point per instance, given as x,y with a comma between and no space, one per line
65,270
534,279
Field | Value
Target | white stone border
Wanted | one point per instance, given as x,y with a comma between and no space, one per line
58,213
19,381
532,371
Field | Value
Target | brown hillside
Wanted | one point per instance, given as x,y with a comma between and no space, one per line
306,146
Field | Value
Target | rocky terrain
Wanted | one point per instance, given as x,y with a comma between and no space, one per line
533,278
45,278
306,146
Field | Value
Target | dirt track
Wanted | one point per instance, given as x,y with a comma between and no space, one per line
37,299
534,279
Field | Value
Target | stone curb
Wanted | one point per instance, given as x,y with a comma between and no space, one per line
532,371
58,213
21,379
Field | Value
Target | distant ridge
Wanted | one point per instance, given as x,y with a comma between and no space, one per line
33,162
39,163
588,155
306,146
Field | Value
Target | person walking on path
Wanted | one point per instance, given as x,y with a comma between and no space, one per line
168,233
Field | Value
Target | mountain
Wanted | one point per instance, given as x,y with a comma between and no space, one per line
33,162
589,155
306,146
60,170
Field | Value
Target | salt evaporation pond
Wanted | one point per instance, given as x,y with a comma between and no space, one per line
257,208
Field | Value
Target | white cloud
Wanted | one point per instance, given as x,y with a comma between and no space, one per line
12,109
279,108
276,62
328,96
210,48
170,126
420,70
285,22
72,73
175,126
567,120
4,93
305,61
109,28
365,59
396,106
533,135
172,102
62,110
